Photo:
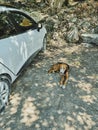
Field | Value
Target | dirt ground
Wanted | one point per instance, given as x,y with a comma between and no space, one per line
38,103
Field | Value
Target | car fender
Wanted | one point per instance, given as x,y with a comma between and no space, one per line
5,71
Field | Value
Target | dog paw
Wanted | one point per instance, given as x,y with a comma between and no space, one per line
63,86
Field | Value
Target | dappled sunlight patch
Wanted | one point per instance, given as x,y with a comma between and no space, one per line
85,86
29,113
60,111
1,123
50,78
51,84
72,79
83,70
69,118
54,128
15,101
11,121
45,123
61,59
47,99
51,117
48,53
77,64
93,77
37,125
9,128
69,127
83,119
38,66
88,98
36,84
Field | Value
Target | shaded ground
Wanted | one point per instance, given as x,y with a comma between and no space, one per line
38,103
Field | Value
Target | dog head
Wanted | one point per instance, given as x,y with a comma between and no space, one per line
63,68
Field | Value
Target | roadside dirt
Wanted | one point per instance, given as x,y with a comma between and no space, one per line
38,103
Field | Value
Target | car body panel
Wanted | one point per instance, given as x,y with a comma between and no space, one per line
4,70
21,38
15,50
4,8
19,48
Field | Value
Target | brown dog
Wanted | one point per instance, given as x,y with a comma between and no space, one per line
63,69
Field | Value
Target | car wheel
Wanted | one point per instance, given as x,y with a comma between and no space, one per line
4,93
44,43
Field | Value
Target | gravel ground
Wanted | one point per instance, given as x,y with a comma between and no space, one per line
38,103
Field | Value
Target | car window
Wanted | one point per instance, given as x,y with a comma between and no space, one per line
23,21
6,27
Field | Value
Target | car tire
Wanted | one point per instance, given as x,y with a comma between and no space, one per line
4,93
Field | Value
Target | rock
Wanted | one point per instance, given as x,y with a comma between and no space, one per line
72,3
50,25
73,35
87,45
90,38
96,30
37,16
38,1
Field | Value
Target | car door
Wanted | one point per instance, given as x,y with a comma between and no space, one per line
28,29
13,49
29,39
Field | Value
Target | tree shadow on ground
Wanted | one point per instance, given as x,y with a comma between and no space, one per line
38,103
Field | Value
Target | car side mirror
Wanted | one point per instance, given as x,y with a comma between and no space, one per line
39,26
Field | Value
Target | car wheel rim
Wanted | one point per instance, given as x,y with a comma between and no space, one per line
4,93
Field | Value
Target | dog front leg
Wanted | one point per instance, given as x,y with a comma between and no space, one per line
50,71
64,80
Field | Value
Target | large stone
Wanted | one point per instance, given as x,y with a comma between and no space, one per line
73,35
90,38
96,30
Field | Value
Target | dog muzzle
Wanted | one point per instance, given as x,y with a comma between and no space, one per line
62,71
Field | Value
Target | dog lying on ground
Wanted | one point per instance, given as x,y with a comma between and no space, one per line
63,69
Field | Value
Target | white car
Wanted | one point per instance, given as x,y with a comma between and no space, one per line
21,38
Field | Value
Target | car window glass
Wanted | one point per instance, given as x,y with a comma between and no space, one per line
6,27
23,22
